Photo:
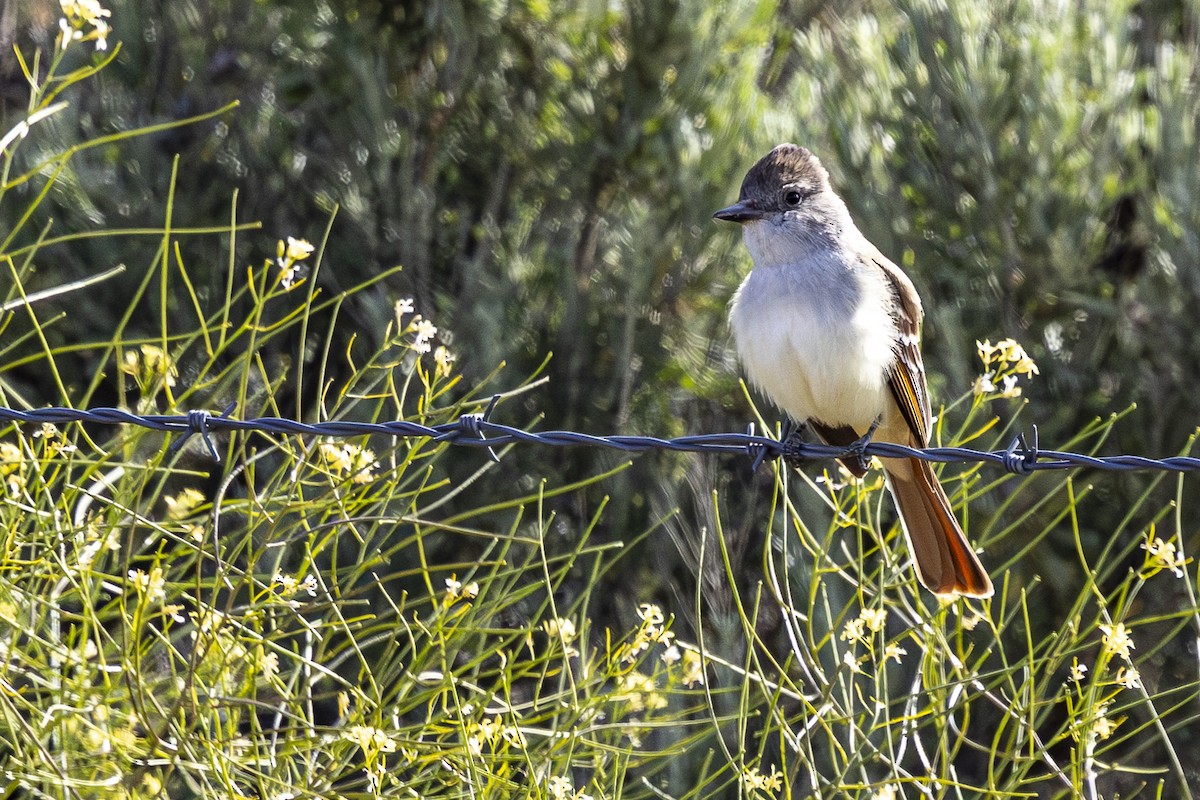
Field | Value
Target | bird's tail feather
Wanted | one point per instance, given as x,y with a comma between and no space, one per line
945,560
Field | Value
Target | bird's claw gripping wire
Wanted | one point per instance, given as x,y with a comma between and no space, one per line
792,442
1021,457
858,448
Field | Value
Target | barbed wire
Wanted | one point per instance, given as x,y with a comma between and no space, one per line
1021,457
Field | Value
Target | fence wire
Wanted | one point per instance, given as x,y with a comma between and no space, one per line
1021,457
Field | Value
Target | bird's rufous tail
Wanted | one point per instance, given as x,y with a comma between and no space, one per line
945,561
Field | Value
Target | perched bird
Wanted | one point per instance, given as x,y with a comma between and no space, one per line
828,329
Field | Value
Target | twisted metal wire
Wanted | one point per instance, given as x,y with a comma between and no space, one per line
1021,457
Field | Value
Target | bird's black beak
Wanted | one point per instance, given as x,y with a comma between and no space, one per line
739,212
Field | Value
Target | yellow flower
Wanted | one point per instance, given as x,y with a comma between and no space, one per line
423,330
984,384
560,627
80,14
693,668
11,458
288,257
345,457
560,788
1129,677
150,585
373,741
455,591
640,692
1003,363
1078,671
650,613
1102,725
1009,386
855,630
295,250
873,618
986,350
894,651
148,365
754,780
1161,554
53,440
1017,360
181,505
1117,640
444,362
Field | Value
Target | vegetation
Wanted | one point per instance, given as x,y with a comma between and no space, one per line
513,199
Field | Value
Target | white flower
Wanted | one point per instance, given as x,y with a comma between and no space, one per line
1117,640
425,329
81,14
1162,554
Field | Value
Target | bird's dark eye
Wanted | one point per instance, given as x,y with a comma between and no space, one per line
792,197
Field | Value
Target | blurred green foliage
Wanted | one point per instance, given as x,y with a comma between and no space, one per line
544,173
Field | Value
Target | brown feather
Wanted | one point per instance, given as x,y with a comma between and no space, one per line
944,559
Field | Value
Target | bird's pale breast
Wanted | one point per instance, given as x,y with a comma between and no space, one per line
815,337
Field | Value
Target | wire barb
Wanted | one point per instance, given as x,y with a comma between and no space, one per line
755,449
197,422
1021,458
472,425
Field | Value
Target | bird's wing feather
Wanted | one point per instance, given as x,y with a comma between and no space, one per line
906,377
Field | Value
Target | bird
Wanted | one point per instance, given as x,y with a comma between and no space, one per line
828,329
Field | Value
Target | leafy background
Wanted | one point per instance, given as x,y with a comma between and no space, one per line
544,176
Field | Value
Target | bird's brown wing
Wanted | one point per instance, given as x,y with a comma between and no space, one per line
906,377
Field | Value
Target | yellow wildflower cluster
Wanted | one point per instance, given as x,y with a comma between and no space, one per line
288,257
562,629
640,692
11,460
560,788
869,619
54,442
1162,554
652,630
1117,640
862,630
422,332
1003,363
290,585
755,781
181,506
150,367
456,591
493,732
149,585
373,741
83,21
347,458
1094,722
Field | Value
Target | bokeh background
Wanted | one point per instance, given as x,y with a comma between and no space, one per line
545,172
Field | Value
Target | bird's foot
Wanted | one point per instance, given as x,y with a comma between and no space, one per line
858,448
793,441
